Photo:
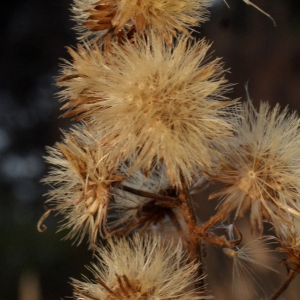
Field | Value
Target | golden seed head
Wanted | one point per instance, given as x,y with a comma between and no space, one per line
118,19
155,104
140,268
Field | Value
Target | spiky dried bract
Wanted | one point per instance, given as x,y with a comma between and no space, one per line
81,178
141,268
119,18
262,168
155,103
289,238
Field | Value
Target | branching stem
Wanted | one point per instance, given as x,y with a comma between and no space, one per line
213,220
220,241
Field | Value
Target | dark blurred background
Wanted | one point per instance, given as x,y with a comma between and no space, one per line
34,35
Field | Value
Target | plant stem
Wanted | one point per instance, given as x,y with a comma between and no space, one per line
191,223
292,274
213,220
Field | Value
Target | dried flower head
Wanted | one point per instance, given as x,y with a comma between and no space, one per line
155,103
262,168
141,268
81,178
141,213
119,18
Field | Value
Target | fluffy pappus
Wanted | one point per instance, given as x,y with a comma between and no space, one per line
246,261
156,104
140,268
261,171
81,177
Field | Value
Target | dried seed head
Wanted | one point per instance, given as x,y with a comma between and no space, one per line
156,104
141,268
262,168
118,18
81,177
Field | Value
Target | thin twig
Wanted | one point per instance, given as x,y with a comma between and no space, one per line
220,241
285,285
161,200
213,220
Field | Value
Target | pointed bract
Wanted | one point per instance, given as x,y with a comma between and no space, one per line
289,238
81,178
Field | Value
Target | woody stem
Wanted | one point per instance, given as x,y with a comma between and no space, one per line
292,274
191,223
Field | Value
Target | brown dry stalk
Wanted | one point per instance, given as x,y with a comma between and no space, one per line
213,220
40,226
191,223
220,241
292,274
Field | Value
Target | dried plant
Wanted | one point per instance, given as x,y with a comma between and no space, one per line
116,19
151,113
81,180
155,127
262,167
128,270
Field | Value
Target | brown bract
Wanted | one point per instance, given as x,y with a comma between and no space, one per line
144,216
289,238
141,212
81,178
